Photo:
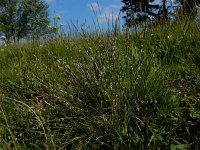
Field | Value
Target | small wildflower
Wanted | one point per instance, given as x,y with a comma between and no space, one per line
169,36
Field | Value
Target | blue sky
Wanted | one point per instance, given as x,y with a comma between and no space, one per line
81,10
87,10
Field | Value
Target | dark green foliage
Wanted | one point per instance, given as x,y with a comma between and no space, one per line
190,8
138,11
20,18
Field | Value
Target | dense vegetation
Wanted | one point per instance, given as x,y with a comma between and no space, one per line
114,90
20,19
138,11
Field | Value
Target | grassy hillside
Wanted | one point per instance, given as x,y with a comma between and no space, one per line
128,90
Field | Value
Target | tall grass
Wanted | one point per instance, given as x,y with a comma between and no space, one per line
117,90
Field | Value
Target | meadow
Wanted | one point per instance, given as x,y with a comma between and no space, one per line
103,90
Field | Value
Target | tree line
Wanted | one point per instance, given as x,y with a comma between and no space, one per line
22,18
137,11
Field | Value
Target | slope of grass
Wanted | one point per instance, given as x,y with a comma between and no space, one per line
132,90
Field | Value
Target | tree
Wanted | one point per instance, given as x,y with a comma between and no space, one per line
138,11
189,8
20,18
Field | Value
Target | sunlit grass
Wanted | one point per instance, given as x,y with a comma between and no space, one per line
130,90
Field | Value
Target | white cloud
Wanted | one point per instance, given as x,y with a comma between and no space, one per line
94,6
107,16
110,13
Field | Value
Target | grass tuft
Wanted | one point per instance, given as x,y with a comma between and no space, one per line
112,90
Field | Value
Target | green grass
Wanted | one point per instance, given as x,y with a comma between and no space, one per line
131,90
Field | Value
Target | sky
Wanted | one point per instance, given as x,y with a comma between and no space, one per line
84,11
87,11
